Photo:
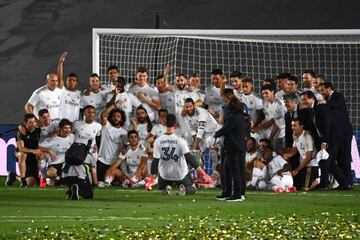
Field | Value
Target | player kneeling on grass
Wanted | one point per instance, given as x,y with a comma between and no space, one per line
273,173
171,156
135,158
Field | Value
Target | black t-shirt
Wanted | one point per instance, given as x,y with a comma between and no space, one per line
31,139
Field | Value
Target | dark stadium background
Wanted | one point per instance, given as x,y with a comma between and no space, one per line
34,33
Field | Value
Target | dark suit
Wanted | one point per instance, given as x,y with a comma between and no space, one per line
328,125
234,132
337,103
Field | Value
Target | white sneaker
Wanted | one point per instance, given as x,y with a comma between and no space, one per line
182,190
101,184
167,190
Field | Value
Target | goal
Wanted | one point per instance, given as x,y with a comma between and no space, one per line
260,54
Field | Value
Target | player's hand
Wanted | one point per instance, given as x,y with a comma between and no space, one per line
294,172
167,70
150,182
141,96
134,123
36,151
63,57
52,155
119,102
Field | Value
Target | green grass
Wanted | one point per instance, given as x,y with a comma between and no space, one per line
117,213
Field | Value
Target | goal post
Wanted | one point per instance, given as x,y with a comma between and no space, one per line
260,54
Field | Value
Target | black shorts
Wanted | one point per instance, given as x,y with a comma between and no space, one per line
305,177
101,170
58,167
186,181
31,166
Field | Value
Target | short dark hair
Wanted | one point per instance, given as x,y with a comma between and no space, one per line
132,131
194,75
270,81
181,75
170,120
95,75
309,71
269,87
88,106
42,112
327,84
291,97
309,94
28,116
217,71
298,120
293,79
111,67
159,77
247,80
122,113
121,81
163,110
235,74
64,122
187,100
141,107
283,76
142,69
266,141
73,75
252,139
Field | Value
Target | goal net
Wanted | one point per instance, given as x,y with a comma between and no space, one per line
259,54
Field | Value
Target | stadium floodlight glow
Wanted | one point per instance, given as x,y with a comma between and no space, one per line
260,54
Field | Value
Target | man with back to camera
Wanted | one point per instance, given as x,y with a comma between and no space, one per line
46,97
171,159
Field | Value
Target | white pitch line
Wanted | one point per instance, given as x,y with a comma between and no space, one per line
68,218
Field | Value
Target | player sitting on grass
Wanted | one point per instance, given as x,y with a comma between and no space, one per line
171,159
272,173
135,159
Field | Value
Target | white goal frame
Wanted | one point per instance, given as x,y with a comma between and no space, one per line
199,33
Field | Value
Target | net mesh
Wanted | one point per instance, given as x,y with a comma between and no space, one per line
260,57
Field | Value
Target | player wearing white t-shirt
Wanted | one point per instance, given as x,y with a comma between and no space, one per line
181,93
70,98
113,74
113,138
47,125
274,124
135,158
148,96
166,95
142,124
253,103
95,96
307,171
46,97
195,85
56,147
199,123
171,159
213,97
86,130
124,100
273,173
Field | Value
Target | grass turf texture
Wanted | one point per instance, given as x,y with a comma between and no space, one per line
136,214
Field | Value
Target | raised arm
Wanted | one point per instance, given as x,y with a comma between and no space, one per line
60,71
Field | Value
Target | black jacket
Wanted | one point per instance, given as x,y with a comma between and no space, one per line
234,132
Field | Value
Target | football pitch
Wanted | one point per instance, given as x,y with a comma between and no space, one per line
117,213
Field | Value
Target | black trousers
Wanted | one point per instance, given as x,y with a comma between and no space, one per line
85,188
331,166
234,174
101,170
344,159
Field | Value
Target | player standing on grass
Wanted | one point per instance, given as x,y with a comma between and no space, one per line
171,159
